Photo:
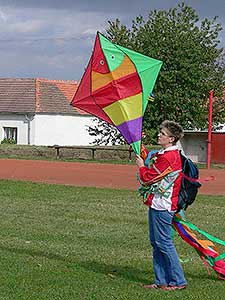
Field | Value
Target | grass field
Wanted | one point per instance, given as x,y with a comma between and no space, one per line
63,242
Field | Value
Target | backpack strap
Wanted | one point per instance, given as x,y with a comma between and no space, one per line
210,178
190,178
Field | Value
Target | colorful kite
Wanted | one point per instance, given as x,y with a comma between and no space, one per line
116,86
206,249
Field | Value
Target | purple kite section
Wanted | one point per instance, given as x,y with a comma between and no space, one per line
131,130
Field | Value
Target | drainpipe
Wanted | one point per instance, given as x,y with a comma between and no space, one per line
28,119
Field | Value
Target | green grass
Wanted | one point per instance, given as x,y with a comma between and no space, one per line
63,242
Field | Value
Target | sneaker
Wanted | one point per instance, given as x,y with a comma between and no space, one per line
153,286
173,287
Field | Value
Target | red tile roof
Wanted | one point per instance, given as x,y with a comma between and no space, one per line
17,95
30,95
54,96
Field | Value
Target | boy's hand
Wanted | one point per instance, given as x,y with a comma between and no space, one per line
139,161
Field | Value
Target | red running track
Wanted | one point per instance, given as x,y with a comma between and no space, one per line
90,174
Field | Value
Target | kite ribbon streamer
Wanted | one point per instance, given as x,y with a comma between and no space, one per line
206,249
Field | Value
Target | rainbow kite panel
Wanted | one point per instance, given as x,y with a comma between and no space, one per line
116,86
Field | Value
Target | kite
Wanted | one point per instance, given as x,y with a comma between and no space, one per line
206,248
116,87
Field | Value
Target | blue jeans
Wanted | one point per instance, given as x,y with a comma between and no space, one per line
167,267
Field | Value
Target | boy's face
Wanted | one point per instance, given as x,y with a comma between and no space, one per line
164,138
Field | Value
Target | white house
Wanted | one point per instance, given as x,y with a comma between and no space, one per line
38,112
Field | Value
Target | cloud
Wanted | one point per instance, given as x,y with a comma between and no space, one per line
84,5
61,60
3,16
29,26
16,22
43,24
54,38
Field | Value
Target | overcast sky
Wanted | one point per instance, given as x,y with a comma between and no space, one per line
54,38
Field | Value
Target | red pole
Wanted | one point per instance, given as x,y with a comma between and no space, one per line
209,128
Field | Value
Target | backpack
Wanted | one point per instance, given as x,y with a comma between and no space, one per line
189,183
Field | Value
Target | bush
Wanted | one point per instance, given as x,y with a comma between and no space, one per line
8,141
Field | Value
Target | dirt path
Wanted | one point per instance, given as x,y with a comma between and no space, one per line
90,174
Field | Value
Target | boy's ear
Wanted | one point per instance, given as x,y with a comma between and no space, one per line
172,139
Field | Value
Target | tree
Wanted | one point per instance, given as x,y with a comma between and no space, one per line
105,133
193,63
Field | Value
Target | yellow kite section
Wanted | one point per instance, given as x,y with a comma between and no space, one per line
124,69
125,110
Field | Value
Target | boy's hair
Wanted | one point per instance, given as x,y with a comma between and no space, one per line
174,129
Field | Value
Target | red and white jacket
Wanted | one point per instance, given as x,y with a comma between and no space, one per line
165,159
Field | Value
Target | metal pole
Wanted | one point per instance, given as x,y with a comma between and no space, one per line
209,128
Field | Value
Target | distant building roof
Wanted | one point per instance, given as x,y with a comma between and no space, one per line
30,95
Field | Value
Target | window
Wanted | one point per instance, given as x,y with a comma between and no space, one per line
10,133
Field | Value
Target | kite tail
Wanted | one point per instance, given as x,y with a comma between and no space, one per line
206,249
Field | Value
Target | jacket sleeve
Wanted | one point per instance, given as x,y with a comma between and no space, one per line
148,174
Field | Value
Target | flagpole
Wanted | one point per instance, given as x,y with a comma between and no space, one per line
209,141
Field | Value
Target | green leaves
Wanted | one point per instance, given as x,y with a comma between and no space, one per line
193,63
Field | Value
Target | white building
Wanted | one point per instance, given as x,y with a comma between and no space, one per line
38,112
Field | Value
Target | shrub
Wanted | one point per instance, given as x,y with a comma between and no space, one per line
8,141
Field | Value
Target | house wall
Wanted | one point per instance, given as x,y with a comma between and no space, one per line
18,121
48,129
194,145
61,130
